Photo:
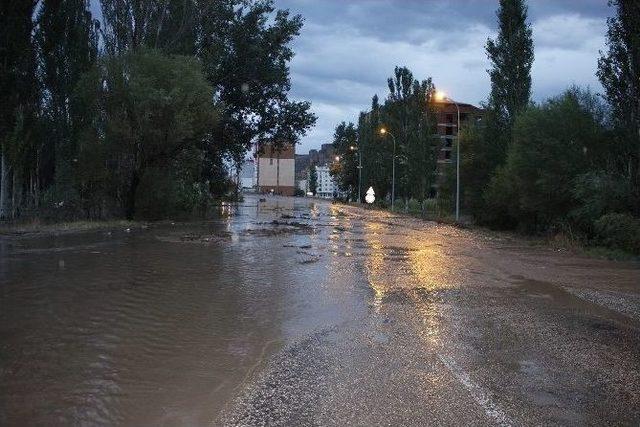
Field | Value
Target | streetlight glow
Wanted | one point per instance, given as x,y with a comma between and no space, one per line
337,158
440,95
383,131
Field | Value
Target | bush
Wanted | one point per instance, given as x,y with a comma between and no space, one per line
619,231
161,195
414,206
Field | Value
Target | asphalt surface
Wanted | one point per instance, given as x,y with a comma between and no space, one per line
460,328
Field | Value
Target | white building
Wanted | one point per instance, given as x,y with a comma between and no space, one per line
326,186
246,175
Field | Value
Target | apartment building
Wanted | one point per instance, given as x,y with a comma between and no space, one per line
276,170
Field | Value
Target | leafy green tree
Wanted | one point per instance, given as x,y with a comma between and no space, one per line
313,179
619,73
407,115
18,109
552,146
245,49
484,146
153,114
68,43
170,26
345,146
244,46
376,151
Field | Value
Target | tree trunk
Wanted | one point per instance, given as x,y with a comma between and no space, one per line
131,197
4,187
16,196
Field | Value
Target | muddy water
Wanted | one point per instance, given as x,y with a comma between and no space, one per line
162,326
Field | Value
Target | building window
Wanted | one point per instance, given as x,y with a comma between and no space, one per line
447,155
449,130
449,118
448,142
271,160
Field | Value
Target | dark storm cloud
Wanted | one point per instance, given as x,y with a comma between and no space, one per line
347,49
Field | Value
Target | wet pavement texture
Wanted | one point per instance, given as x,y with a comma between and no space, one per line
303,312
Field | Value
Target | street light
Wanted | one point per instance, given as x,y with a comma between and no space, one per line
384,131
441,96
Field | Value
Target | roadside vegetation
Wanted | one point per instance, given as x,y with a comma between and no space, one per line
140,111
567,168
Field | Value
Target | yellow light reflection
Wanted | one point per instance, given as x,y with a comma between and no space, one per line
415,267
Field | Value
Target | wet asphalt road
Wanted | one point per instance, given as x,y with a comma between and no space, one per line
301,312
461,328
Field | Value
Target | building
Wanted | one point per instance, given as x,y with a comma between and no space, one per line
245,177
323,156
275,170
326,187
447,129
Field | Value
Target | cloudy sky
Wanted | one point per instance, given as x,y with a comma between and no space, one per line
348,48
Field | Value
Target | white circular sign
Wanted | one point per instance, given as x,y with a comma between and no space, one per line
371,196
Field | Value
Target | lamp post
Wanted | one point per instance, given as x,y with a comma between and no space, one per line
441,96
359,167
384,131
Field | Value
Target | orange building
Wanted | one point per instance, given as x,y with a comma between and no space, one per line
447,129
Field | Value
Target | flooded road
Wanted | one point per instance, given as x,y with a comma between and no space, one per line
300,312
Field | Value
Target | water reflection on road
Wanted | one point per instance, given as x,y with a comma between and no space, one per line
166,325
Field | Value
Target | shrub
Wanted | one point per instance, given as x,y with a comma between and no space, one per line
415,207
619,231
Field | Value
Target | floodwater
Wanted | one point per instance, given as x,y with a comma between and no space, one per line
297,312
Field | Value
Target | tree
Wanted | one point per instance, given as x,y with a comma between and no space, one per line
245,49
553,145
19,94
170,26
153,112
619,73
407,114
345,146
244,46
511,56
68,43
313,179
484,147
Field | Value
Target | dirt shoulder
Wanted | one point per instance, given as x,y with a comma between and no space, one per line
38,229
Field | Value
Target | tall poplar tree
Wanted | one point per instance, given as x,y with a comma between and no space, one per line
18,95
67,38
619,73
484,149
511,56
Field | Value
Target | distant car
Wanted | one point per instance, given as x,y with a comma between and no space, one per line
309,193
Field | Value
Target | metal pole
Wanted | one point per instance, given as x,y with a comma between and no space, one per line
458,166
359,175
393,173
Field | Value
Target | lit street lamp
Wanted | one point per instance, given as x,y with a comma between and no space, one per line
384,131
441,96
